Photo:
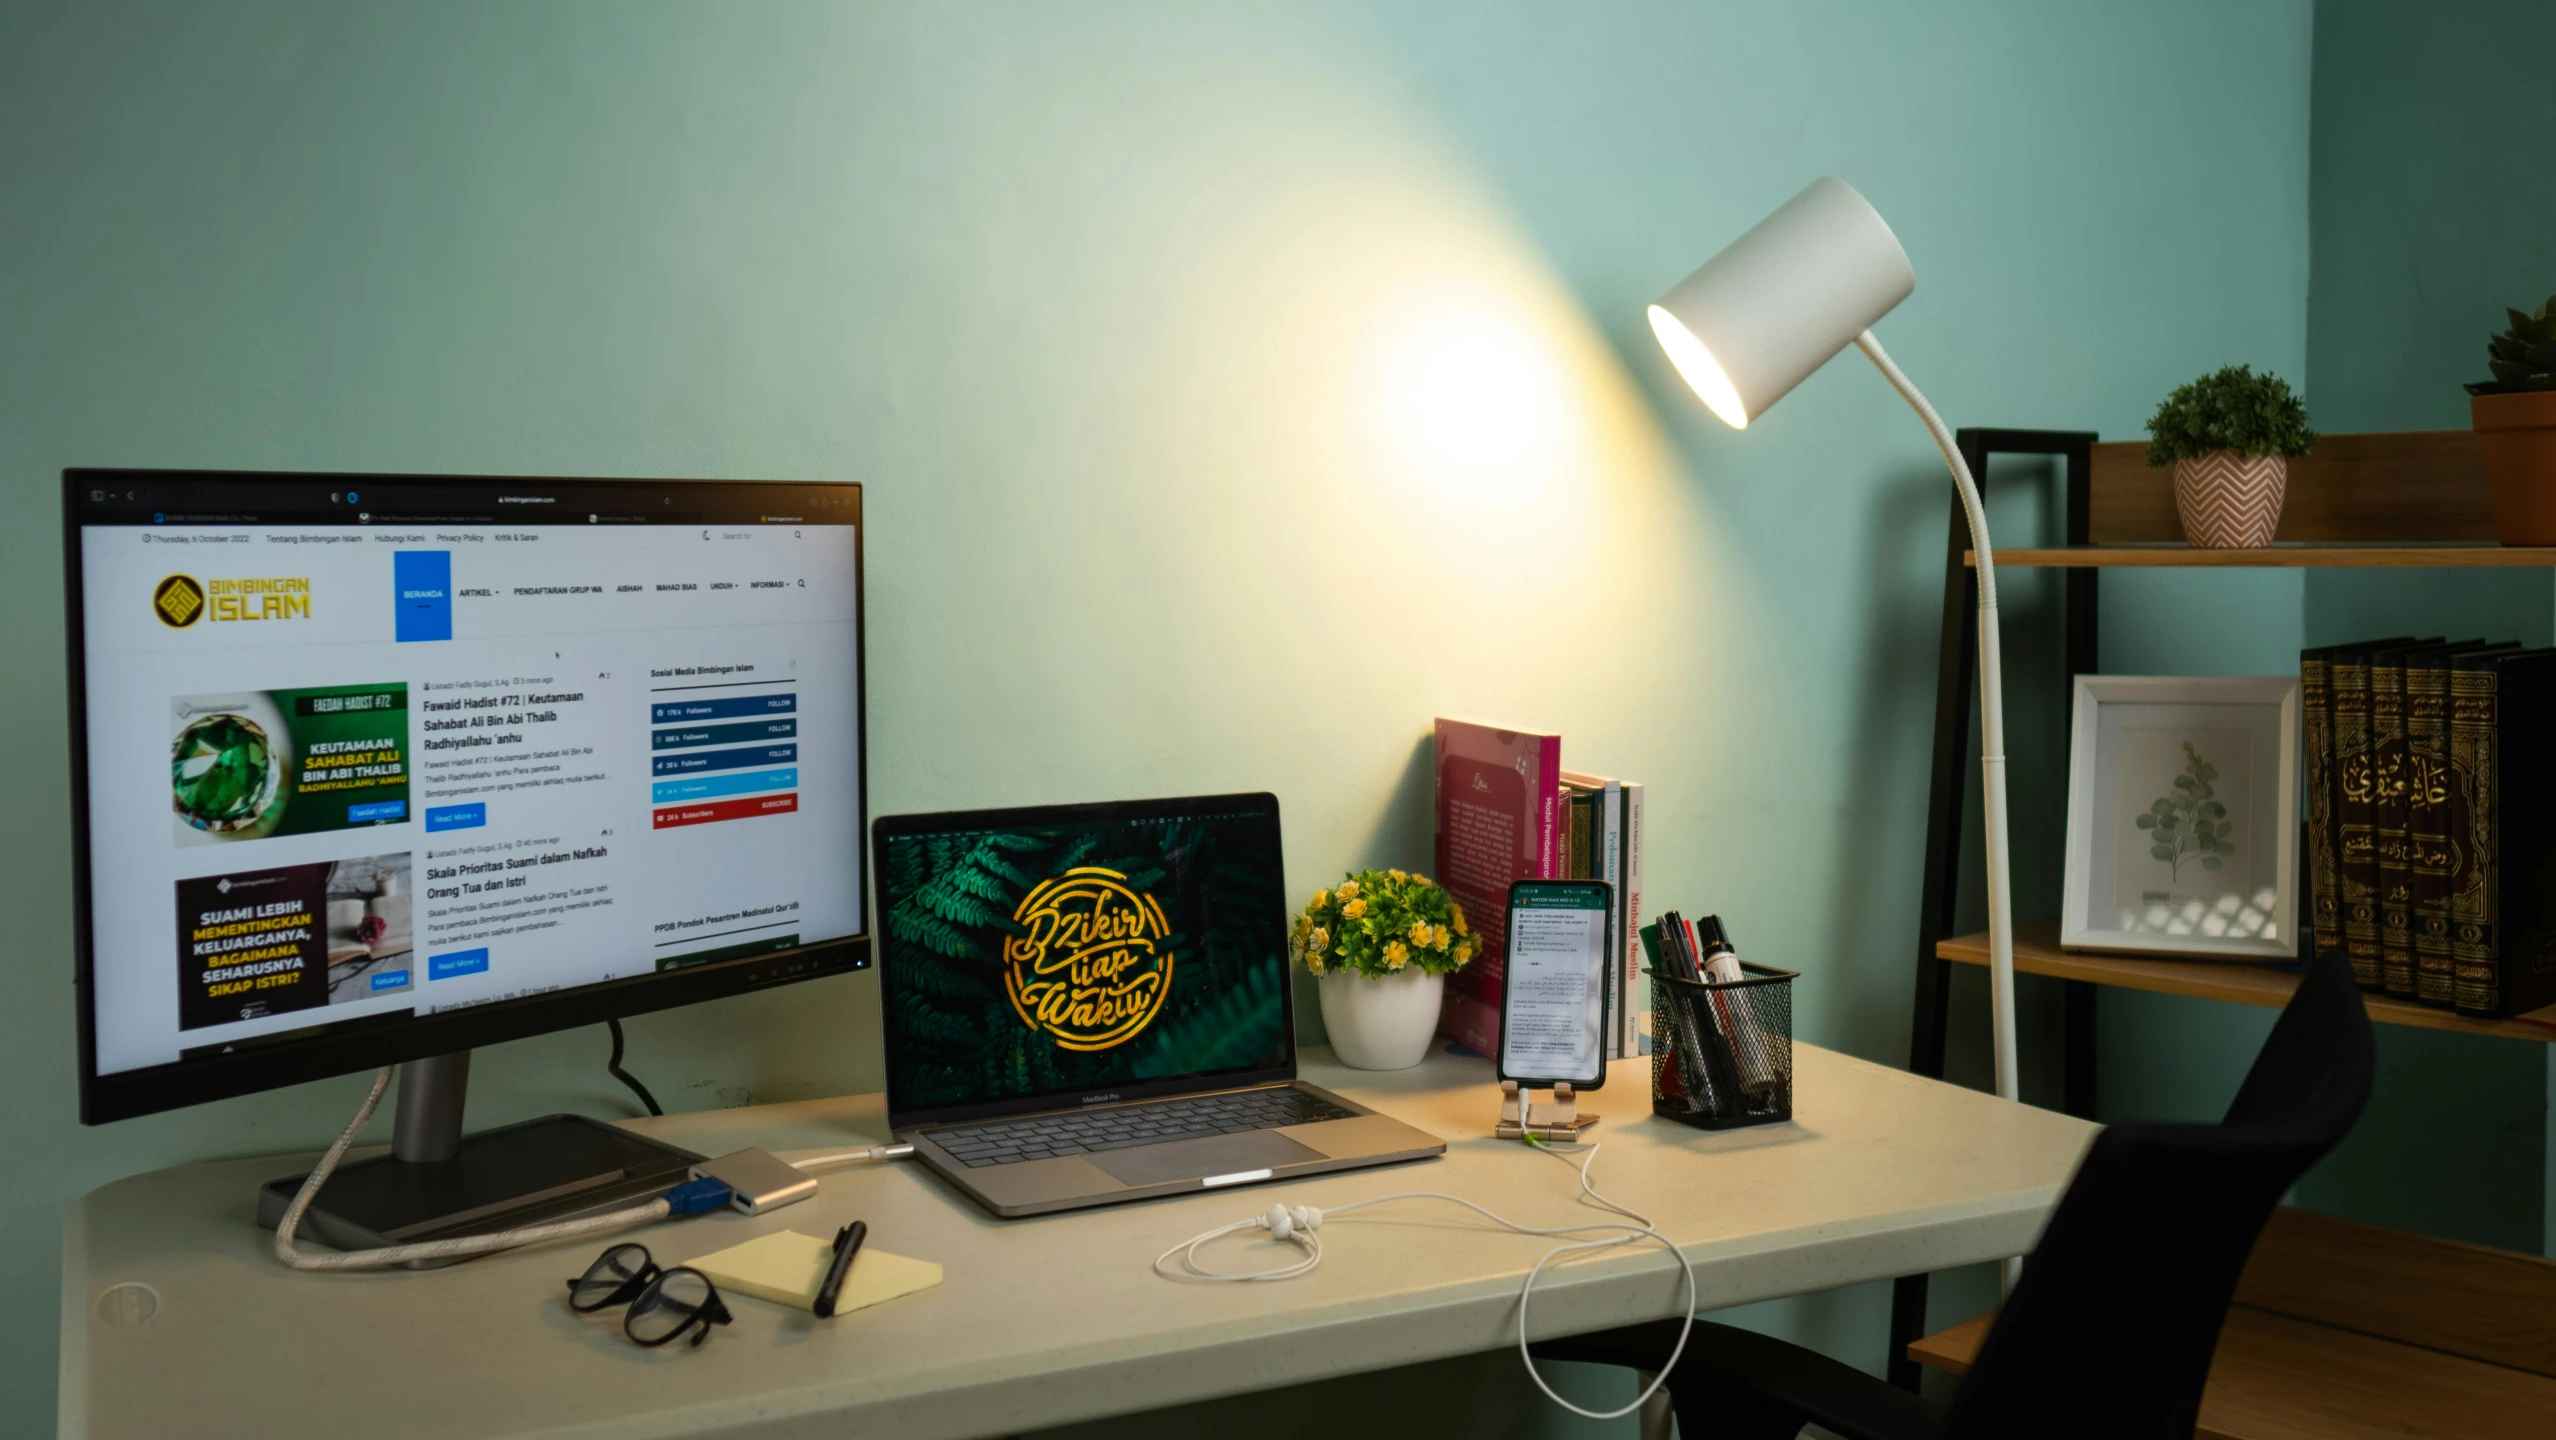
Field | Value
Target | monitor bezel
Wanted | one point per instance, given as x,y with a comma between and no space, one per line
1103,812
127,1094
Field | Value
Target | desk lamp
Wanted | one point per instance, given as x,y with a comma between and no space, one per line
1754,322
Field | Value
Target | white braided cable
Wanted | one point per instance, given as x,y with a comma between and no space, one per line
1303,1222
433,1249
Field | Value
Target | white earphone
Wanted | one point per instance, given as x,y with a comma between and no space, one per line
1299,1225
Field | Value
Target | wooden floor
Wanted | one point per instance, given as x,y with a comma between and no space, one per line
2344,1331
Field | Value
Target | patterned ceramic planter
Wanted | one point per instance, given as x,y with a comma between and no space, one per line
2228,502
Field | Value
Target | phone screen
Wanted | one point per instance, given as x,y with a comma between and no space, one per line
1553,1003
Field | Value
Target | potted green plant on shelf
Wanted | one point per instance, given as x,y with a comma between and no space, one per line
1381,944
2230,437
2515,418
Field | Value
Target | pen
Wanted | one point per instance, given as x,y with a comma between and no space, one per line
847,1243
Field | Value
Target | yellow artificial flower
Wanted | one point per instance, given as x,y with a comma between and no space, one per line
1398,875
1321,898
1457,911
1317,941
1420,932
1438,937
1396,955
1348,889
1463,951
1313,963
1422,879
1353,909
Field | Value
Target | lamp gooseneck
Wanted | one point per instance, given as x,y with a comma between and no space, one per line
1992,725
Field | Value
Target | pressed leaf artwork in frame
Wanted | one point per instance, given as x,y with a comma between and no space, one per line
2176,841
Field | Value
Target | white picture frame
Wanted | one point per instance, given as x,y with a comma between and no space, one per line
2214,871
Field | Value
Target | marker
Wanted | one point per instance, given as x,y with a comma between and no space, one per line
847,1243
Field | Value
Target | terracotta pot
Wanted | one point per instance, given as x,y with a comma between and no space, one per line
2228,502
1383,1024
2518,432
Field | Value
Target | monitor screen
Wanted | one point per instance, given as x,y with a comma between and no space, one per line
1081,953
378,767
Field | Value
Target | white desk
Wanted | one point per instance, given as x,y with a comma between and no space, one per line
1046,1320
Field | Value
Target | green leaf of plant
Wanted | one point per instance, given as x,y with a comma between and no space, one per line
2146,822
2162,852
2182,782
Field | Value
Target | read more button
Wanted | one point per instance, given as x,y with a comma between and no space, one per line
456,963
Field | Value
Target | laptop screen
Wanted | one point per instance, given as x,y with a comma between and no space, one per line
1081,954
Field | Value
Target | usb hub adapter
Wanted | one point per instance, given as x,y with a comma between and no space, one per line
762,1180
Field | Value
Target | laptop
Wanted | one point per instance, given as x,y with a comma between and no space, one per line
1087,1004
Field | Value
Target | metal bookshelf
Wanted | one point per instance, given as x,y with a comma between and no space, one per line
2405,500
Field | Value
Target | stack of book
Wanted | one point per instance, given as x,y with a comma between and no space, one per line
2432,818
1506,810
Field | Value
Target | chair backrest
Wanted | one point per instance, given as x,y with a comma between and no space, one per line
2111,1329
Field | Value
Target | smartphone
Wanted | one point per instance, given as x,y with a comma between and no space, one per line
1553,1000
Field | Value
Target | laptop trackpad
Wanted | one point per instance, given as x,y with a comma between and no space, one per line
1209,1155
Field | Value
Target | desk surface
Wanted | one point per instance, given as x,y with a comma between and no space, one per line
1046,1320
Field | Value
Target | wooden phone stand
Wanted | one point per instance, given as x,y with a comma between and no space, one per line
1521,1117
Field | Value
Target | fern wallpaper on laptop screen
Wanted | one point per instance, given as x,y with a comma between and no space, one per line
1043,961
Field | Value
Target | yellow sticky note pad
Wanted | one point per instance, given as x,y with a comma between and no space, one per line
787,1268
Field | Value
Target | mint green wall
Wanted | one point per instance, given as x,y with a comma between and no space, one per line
1289,354
2428,217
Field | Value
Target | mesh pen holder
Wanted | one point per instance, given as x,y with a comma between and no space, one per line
1722,1051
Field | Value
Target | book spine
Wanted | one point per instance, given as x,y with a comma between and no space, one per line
2387,809
2525,840
2474,744
2325,899
2427,823
1637,1004
2356,854
1611,869
1549,859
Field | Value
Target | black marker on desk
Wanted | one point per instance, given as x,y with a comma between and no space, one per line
847,1243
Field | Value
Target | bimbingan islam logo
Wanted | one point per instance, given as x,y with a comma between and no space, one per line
179,601
1092,965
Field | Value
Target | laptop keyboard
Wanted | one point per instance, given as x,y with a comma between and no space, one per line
1121,1127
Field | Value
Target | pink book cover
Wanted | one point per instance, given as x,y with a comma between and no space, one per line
1497,821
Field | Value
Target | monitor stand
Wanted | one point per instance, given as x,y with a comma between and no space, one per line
438,1184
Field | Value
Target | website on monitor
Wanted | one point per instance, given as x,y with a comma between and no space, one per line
344,773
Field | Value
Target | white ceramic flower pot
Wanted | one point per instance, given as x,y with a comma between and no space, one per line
1381,1024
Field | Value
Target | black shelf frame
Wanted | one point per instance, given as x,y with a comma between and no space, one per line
1956,701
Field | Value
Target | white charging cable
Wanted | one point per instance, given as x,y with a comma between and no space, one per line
1301,1226
690,1198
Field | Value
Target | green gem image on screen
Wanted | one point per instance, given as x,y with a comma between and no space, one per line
256,763
225,773
1172,943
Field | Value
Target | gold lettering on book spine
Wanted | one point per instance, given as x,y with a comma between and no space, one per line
2387,808
2355,792
2472,821
1092,963
2325,901
2428,845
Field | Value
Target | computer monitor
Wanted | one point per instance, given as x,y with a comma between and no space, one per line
378,768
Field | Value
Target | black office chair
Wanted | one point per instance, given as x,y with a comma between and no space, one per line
2111,1329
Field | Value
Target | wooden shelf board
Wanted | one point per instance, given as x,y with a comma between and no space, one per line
2278,1378
2342,1329
2037,952
2452,556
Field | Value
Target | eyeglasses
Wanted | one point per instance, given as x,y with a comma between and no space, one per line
664,1304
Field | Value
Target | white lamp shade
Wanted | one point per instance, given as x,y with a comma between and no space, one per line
1758,318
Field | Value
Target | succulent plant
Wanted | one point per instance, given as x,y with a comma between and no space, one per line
2523,357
